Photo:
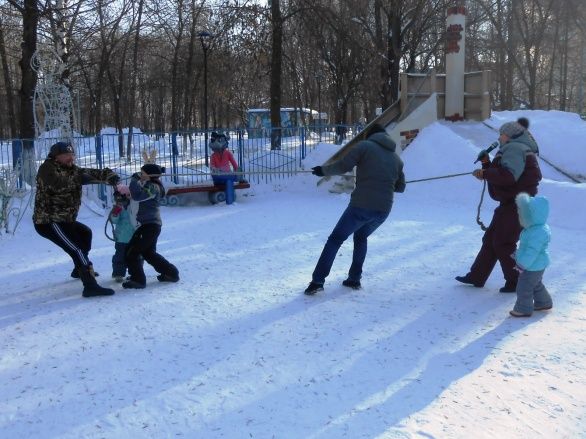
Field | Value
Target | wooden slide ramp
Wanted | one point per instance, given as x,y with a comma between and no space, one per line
387,117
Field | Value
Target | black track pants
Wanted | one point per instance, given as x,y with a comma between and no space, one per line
144,243
74,238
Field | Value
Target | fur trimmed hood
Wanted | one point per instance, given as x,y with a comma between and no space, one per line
532,210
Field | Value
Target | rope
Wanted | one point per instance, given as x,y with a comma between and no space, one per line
478,220
288,172
111,238
438,178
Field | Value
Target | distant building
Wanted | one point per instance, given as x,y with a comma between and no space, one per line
259,121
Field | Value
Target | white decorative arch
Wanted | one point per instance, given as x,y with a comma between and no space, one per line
52,99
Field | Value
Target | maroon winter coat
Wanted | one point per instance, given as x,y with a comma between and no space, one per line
500,239
502,186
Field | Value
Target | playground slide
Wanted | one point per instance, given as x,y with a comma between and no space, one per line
395,123
386,118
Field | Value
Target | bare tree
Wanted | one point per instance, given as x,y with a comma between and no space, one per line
30,11
7,84
133,78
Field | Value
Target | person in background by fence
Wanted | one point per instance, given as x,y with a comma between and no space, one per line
222,161
341,131
146,189
514,169
379,174
57,203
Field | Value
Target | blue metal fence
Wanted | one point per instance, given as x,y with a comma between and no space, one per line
184,154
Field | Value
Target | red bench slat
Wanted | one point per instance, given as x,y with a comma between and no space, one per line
203,188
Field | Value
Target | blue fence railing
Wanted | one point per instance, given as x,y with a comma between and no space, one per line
185,155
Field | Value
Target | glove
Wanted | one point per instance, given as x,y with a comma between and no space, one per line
317,170
479,174
483,157
113,179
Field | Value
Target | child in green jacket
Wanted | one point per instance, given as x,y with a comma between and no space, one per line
124,227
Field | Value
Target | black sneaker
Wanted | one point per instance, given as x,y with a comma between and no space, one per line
508,289
133,284
168,278
466,280
313,288
96,290
354,284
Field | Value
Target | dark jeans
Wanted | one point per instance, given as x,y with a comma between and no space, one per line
74,238
144,243
222,179
227,181
357,221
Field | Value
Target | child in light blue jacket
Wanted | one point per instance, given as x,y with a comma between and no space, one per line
532,255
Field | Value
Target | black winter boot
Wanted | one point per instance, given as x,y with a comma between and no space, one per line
466,280
132,284
508,288
168,277
354,284
90,286
75,272
171,274
313,288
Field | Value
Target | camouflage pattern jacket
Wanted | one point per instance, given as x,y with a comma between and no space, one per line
58,195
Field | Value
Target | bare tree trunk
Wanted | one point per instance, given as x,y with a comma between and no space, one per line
133,80
383,60
564,60
8,84
30,21
395,54
276,70
511,45
108,35
175,68
189,87
117,89
552,67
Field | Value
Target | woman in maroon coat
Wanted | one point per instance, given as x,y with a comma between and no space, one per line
514,169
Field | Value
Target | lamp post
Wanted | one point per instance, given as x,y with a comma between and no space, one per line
205,38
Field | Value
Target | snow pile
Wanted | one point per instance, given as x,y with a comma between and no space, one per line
236,350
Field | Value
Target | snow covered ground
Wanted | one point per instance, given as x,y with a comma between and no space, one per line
235,350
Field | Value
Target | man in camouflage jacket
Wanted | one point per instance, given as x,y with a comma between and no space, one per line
57,203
